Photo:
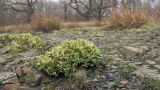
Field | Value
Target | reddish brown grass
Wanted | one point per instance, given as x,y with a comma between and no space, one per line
127,18
45,23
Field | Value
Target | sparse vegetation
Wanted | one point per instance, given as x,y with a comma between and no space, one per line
69,56
151,83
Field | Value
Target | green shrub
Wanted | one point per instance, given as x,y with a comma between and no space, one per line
20,42
67,57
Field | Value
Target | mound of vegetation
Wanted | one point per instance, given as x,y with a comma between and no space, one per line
67,57
21,42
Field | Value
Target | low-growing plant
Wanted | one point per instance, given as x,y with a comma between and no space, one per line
151,83
20,42
67,57
125,69
45,23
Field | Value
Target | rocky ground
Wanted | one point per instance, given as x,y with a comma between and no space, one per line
132,63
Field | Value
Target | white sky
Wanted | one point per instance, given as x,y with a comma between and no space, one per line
54,0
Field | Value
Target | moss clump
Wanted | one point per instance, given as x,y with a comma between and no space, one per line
67,57
21,42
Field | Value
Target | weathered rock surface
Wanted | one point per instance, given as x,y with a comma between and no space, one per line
5,49
8,77
145,71
2,60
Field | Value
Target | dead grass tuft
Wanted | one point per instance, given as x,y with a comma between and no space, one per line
45,23
127,18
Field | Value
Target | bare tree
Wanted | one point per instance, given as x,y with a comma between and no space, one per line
82,7
26,6
92,8
65,7
102,5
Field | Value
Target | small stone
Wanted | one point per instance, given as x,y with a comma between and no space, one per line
81,73
25,88
15,61
111,84
157,66
114,67
27,70
133,49
19,71
103,77
157,59
95,80
116,58
27,54
138,63
124,82
38,79
5,50
151,62
145,48
2,60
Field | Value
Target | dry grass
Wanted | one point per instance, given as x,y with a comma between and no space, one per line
19,28
82,24
45,23
127,18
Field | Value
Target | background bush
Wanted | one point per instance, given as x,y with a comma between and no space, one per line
127,18
69,56
45,23
21,42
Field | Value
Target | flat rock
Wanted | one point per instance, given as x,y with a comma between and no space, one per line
6,77
2,60
27,54
145,71
116,58
133,49
5,49
157,66
19,71
124,82
25,88
151,62
138,63
128,52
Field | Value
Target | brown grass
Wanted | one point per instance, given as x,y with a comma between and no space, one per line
82,24
19,28
127,18
45,23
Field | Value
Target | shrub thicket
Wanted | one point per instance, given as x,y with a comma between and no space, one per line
68,56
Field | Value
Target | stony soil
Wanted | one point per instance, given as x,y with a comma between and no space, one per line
132,60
